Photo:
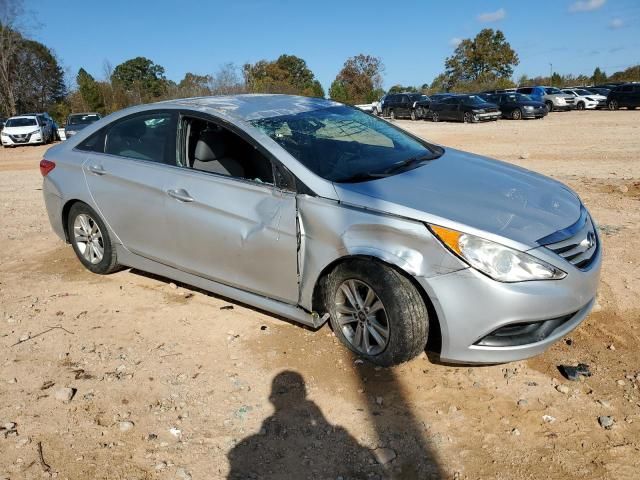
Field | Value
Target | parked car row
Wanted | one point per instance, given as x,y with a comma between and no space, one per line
40,128
514,103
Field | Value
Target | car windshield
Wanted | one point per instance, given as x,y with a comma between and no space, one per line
343,144
552,91
474,100
82,119
419,98
583,92
21,122
517,97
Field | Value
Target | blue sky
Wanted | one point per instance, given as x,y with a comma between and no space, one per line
412,40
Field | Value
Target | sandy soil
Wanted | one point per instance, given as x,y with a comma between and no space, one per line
176,383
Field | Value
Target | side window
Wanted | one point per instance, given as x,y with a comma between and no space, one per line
526,91
95,143
148,136
211,148
627,88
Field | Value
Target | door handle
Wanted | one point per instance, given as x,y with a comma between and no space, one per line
181,195
97,169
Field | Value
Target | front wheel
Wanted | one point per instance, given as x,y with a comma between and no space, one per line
90,239
414,116
376,312
467,117
516,114
549,106
580,106
435,116
613,105
392,115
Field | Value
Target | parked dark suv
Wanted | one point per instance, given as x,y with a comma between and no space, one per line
406,105
627,95
516,105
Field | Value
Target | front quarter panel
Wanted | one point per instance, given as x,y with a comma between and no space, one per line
330,231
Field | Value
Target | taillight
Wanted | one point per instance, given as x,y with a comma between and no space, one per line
46,166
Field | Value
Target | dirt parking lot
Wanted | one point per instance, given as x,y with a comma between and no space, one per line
171,382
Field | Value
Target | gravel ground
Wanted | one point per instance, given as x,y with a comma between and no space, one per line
130,376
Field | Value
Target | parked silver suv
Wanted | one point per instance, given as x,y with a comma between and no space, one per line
314,210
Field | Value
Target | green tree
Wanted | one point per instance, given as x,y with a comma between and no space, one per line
193,85
359,81
598,76
483,59
288,74
140,77
90,91
400,89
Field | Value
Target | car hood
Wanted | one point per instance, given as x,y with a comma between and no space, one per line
20,130
77,127
531,104
475,194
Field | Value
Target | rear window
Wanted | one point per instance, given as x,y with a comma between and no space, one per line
525,90
21,122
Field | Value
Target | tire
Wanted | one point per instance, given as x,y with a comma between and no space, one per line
392,114
467,117
107,262
516,114
401,310
435,117
580,106
414,117
613,105
549,106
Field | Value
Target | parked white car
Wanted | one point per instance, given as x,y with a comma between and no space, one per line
365,107
585,99
377,106
26,130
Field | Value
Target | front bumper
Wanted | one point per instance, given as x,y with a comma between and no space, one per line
535,113
487,116
471,306
17,140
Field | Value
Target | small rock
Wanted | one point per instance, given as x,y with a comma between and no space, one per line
384,455
12,380
176,432
65,394
606,421
524,155
161,466
596,308
182,474
515,432
24,338
562,389
548,418
10,426
605,403
621,383
522,402
125,426
623,189
173,286
612,347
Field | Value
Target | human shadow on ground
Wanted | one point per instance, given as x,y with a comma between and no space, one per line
298,442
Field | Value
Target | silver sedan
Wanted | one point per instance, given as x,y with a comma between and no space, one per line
316,211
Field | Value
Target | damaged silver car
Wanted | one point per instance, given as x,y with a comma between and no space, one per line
315,211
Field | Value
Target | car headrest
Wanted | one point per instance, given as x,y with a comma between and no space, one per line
210,146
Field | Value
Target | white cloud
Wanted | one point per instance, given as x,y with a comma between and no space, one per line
616,23
586,5
496,16
455,41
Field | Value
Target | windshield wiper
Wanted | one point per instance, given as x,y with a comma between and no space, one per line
362,177
407,163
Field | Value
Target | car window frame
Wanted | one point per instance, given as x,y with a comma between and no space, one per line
297,185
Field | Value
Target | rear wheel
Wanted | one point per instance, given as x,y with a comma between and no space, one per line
549,106
467,117
580,106
516,114
392,115
435,116
90,239
414,117
376,312
613,105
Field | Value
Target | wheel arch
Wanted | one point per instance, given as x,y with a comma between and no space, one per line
66,208
434,343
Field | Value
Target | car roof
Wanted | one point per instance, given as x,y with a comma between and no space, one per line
254,106
26,115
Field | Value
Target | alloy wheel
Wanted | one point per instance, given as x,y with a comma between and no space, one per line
413,115
362,317
88,238
613,105
516,115
392,115
467,117
435,116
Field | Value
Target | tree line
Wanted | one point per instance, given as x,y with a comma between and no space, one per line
32,79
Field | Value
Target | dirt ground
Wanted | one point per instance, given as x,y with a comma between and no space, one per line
171,382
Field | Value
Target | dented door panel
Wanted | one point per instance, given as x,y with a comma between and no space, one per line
330,231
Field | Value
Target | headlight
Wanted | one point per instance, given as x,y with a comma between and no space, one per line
480,110
4,134
34,132
560,100
494,260
528,107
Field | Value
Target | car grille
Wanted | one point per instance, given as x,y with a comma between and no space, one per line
580,242
570,100
20,138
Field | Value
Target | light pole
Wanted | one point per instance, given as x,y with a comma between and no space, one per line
551,73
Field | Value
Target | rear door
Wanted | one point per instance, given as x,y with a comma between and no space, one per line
127,170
